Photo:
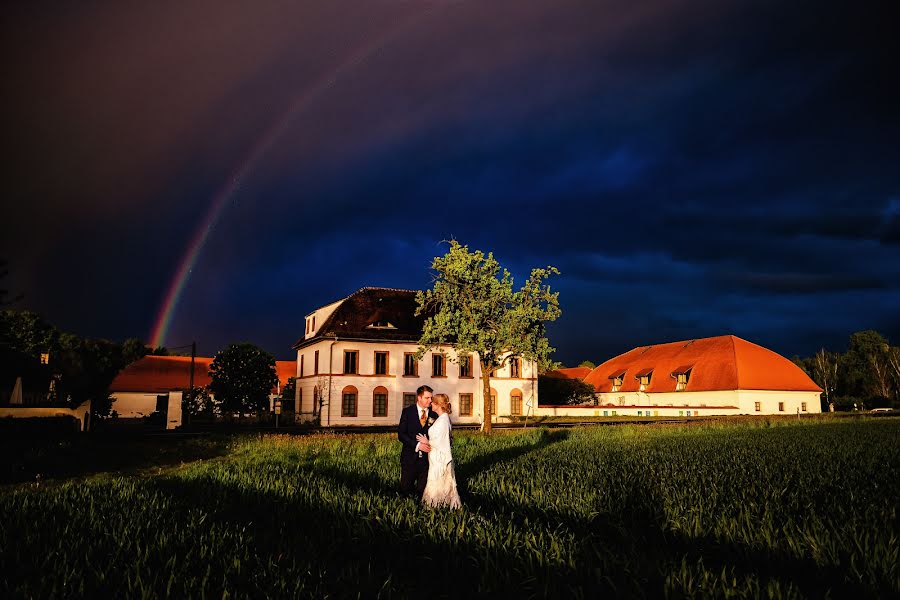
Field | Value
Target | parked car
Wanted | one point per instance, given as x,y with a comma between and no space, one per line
881,410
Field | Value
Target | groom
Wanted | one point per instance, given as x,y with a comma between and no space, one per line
415,419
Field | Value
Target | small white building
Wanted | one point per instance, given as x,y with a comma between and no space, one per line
156,384
723,375
356,365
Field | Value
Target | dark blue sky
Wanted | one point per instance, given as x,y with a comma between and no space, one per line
692,168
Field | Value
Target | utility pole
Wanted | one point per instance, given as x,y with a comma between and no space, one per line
190,403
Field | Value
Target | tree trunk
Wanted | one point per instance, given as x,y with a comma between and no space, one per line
486,393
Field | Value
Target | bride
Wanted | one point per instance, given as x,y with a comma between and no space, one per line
440,488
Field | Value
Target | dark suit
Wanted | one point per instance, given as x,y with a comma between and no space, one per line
413,465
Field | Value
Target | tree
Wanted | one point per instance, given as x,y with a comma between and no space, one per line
588,364
561,390
202,404
242,377
473,307
894,362
825,372
864,366
289,396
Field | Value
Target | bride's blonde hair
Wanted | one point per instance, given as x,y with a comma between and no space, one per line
443,400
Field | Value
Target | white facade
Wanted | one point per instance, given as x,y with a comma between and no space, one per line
136,405
321,385
694,404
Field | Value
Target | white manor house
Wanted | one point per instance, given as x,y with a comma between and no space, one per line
356,365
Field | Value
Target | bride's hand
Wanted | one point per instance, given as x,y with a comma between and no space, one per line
421,438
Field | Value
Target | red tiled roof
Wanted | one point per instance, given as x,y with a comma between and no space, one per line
725,362
162,374
569,373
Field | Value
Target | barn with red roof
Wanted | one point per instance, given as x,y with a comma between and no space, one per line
708,376
157,384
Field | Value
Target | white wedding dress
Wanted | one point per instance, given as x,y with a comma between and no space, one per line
440,487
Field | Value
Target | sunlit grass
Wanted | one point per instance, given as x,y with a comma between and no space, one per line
796,510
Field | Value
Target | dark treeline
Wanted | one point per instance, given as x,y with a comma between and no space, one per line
865,376
58,367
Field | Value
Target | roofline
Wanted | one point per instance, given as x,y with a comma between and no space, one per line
303,340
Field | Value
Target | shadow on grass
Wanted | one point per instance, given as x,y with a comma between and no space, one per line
361,555
78,455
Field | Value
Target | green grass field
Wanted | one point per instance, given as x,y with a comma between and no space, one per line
803,509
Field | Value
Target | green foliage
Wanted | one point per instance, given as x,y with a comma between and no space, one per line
202,404
560,390
473,307
242,377
865,376
79,368
588,364
289,391
794,510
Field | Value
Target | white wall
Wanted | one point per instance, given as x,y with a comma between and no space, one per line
134,405
668,404
80,412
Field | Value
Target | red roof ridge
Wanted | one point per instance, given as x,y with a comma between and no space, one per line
725,362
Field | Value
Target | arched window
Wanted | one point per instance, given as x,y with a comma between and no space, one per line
493,401
380,402
515,402
349,397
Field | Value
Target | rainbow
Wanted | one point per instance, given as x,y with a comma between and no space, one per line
257,151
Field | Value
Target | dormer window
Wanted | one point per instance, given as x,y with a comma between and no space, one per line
682,375
617,379
381,325
643,376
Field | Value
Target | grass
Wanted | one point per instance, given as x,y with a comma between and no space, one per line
762,509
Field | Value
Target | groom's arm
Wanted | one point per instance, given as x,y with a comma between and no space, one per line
403,434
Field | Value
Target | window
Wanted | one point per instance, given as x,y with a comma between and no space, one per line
643,376
307,327
515,403
465,366
315,400
515,368
465,404
605,413
408,399
680,413
348,401
640,413
615,413
803,406
381,363
301,364
438,362
350,361
682,375
781,407
617,382
410,365
313,323
757,406
493,401
381,325
316,363
379,402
